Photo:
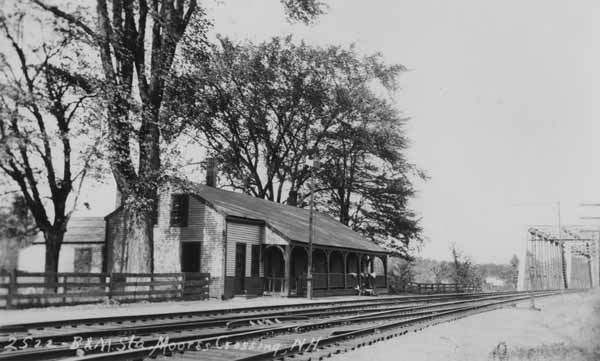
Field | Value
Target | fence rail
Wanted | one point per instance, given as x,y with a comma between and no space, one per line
440,288
274,284
337,280
19,289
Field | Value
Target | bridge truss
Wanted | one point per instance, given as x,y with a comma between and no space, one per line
560,260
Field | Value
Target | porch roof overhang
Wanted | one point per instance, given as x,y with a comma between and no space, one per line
317,245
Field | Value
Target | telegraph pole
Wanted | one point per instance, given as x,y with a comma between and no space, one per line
596,253
311,227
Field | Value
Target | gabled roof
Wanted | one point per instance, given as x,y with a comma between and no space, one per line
291,222
81,230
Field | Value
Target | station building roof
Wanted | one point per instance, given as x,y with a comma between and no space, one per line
291,222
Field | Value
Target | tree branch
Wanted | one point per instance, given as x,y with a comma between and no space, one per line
70,18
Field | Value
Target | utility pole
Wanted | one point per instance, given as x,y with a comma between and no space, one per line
311,229
596,254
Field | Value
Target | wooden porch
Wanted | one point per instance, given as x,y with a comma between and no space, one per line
335,271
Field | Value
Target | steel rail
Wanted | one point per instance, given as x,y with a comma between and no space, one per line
434,318
66,351
116,326
144,352
23,327
120,330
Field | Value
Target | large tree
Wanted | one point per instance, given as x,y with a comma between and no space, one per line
365,179
45,110
137,41
264,109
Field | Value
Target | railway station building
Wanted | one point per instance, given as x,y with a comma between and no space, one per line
252,246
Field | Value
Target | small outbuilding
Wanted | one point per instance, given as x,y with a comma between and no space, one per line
82,249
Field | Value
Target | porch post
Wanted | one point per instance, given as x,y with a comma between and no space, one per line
359,268
327,259
385,273
287,256
344,256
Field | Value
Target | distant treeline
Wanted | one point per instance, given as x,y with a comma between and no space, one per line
434,271
461,269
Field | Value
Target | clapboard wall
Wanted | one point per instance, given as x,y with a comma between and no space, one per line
242,233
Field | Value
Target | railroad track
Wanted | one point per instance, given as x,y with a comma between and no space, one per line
266,326
141,318
65,330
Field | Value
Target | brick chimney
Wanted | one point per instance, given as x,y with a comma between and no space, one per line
211,172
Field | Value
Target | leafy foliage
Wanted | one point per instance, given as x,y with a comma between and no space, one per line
433,271
16,221
17,230
46,111
138,44
303,10
401,273
264,110
463,270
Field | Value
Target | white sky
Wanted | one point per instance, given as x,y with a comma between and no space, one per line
500,96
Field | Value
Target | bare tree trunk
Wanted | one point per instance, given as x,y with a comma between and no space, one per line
53,240
137,212
344,205
138,256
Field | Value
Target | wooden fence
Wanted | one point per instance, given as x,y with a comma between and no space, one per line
334,283
20,289
274,284
428,288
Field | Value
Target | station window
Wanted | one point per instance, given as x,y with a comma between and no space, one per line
179,210
82,260
255,265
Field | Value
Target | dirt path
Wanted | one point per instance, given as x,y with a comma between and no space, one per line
566,328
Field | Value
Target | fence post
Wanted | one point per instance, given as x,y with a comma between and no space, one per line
12,288
64,287
182,285
110,286
103,281
151,294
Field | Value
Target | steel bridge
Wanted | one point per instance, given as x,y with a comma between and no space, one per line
569,258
